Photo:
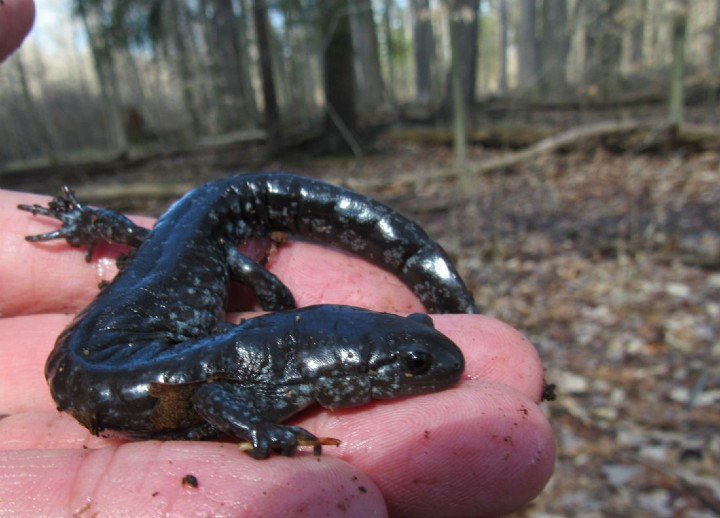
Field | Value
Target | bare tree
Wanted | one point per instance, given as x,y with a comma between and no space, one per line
388,9
527,46
262,27
463,39
173,24
503,82
339,77
423,47
603,46
555,45
464,20
229,66
637,34
44,127
371,99
715,50
100,38
676,97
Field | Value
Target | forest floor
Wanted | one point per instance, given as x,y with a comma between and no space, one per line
610,264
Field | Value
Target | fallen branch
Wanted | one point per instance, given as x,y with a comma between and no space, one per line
571,137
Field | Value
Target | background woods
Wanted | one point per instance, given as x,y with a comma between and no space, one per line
565,152
141,71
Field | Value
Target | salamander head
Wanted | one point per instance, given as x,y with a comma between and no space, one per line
416,359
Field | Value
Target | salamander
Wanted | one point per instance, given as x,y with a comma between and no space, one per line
152,357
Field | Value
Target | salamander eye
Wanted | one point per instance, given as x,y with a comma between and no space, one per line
415,359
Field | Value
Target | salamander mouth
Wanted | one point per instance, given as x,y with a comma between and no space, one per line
402,384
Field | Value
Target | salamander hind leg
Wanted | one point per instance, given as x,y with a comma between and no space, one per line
270,291
230,409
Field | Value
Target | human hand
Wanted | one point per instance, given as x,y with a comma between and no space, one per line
16,18
480,448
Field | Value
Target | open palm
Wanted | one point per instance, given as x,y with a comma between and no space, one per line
480,448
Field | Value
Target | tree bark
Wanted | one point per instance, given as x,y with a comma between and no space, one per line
637,35
715,51
339,78
388,8
527,46
174,22
676,95
555,46
272,115
104,63
603,44
464,27
423,49
229,67
370,88
458,100
47,135
503,46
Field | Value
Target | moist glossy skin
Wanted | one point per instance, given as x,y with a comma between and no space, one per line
151,357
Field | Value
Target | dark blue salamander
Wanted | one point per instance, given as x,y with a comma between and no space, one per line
151,356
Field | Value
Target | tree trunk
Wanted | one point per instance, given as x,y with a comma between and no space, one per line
676,95
391,46
47,135
464,21
101,49
503,46
423,48
458,95
295,83
370,97
272,116
339,78
527,46
555,46
637,35
229,67
603,44
174,21
715,51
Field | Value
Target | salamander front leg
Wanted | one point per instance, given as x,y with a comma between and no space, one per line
86,226
229,408
270,291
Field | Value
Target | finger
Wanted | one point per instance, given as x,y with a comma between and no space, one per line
16,18
423,457
154,478
25,343
48,277
48,430
480,449
495,352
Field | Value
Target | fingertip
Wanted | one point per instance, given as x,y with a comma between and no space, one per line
495,351
16,19
507,449
480,449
